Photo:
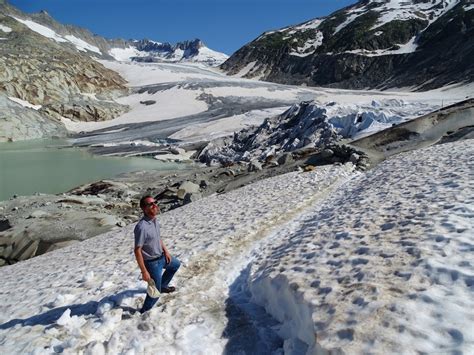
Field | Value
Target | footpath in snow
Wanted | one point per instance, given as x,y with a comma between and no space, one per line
80,297
330,259
384,265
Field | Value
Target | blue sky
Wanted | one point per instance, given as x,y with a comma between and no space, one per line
224,25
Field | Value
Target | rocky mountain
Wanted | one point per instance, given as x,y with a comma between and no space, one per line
192,51
422,44
82,40
49,76
52,69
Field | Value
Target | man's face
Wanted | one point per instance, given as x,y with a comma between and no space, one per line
151,208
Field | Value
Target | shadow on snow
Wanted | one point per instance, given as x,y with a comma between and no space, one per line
250,329
50,317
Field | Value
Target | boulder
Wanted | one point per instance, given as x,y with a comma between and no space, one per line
285,159
23,247
177,151
255,166
327,153
38,214
83,200
168,195
354,158
271,163
121,224
148,102
187,187
188,198
4,225
108,221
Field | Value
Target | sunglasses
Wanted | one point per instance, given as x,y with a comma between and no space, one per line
149,204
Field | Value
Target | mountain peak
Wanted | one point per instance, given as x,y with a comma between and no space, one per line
193,50
43,13
195,43
370,44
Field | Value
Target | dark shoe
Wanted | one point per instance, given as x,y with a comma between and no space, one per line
168,289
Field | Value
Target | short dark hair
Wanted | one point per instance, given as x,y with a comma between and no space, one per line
143,199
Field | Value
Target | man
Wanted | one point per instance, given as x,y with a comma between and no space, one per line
150,252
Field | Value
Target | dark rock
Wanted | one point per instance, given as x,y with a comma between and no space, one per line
168,193
285,159
94,189
354,158
191,197
177,150
255,166
148,102
4,225
327,153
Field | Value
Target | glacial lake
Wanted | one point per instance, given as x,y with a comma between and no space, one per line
46,166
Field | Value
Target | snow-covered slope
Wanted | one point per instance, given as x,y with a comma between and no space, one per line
78,43
377,262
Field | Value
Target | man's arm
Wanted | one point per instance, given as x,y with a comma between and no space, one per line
166,252
139,256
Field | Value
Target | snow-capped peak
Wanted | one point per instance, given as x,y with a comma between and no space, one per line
151,51
139,50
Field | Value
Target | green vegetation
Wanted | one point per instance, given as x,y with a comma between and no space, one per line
449,25
351,36
272,41
329,25
394,32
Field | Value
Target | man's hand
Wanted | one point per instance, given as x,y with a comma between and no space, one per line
167,256
146,276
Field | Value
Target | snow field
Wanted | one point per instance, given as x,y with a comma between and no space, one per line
225,126
172,103
78,299
384,265
182,99
142,74
307,262
5,29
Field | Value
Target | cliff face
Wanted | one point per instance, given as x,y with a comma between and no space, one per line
55,73
422,44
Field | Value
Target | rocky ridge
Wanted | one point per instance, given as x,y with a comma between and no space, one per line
18,122
423,44
187,51
58,79
82,40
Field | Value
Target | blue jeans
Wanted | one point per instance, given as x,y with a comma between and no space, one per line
155,268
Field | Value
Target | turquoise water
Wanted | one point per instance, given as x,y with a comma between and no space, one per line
43,166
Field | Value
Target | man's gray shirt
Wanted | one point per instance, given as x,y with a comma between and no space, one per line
147,236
